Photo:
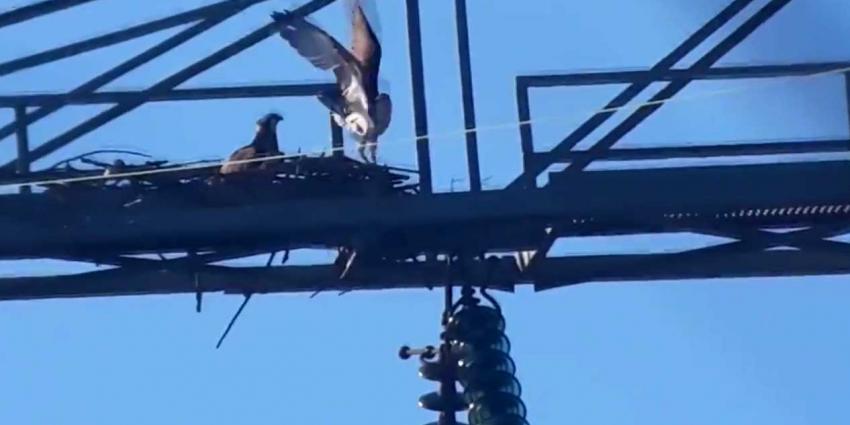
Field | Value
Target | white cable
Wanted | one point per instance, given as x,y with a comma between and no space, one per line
477,129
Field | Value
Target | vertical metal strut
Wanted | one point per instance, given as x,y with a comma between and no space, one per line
420,114
467,95
23,162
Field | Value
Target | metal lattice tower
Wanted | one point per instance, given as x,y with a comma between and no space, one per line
502,237
522,219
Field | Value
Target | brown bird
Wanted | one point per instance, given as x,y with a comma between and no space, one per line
263,145
356,103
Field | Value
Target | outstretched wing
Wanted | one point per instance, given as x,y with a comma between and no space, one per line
365,47
313,43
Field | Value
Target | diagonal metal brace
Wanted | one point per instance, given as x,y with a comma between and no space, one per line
166,84
672,89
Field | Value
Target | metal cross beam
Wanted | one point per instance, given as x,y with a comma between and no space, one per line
809,239
533,168
703,151
190,263
190,260
167,84
116,37
127,66
675,87
811,244
504,275
713,199
255,280
204,93
749,240
714,73
566,271
635,199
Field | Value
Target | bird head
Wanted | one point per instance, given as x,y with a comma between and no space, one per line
358,123
270,119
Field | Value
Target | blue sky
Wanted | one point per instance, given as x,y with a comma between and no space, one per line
721,351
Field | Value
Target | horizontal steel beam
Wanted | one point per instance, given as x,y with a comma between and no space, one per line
701,151
201,93
502,274
248,280
565,271
715,73
487,220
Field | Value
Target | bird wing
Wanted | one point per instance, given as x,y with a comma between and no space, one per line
241,154
365,47
265,140
383,113
314,44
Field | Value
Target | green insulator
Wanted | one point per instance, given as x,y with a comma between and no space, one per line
495,406
469,357
470,320
484,383
437,402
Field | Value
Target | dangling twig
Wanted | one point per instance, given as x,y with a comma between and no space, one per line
233,320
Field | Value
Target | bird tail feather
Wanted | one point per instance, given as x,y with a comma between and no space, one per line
370,10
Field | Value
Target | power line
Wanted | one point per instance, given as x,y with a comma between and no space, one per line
396,142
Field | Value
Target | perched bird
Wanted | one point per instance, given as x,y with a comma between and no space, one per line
356,103
264,144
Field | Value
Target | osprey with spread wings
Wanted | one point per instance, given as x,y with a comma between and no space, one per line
356,104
